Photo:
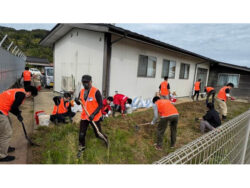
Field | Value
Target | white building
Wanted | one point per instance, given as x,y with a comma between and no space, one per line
118,59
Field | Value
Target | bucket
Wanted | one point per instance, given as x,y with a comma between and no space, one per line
38,88
44,120
37,114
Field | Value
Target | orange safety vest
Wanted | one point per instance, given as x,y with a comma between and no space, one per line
222,94
208,89
165,108
26,75
7,98
60,109
164,88
197,86
91,104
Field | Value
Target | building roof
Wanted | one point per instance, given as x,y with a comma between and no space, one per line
234,66
37,60
61,29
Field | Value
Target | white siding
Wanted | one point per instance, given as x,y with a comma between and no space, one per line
124,67
79,52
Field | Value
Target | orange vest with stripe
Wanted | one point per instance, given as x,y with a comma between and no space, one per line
60,109
91,104
165,108
26,75
164,88
7,98
208,89
222,94
197,86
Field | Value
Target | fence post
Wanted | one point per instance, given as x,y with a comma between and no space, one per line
1,42
246,140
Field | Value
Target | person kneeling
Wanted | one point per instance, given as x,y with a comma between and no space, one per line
62,109
210,120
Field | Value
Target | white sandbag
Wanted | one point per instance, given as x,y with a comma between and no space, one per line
44,120
129,109
76,108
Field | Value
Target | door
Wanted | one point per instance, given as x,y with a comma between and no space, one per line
202,74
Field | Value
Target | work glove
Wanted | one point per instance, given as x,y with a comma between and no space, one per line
91,117
20,118
152,123
77,101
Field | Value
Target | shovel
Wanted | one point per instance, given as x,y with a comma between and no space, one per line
26,136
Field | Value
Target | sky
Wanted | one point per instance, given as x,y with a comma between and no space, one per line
228,43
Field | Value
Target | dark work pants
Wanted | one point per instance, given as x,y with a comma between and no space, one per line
196,93
116,108
26,83
61,117
162,126
211,93
83,130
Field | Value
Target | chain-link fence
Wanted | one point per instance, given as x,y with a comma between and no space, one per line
12,62
228,144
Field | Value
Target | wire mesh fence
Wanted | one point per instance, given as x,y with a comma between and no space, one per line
12,63
228,144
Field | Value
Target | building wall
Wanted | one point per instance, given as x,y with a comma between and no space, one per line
244,82
124,68
77,53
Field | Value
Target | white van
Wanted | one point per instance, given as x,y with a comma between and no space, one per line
47,78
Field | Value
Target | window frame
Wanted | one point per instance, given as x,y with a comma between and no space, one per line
147,66
162,76
232,74
184,73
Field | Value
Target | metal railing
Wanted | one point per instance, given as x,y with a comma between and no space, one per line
228,144
12,62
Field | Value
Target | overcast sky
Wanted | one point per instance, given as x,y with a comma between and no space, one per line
229,43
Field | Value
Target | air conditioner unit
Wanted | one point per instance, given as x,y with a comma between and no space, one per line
67,83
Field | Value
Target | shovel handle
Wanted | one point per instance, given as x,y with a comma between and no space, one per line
98,132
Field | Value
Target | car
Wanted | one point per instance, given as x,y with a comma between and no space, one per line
47,78
35,71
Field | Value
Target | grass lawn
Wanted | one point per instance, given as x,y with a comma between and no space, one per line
59,144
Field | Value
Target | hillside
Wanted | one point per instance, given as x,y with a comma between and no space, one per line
28,41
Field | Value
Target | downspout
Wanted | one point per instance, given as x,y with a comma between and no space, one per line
106,61
196,65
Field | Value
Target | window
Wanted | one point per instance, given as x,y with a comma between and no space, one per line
224,79
184,71
168,68
147,66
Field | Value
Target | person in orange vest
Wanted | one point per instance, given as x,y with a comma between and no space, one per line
120,102
168,113
197,87
210,92
10,100
164,89
91,98
106,108
26,77
62,108
222,97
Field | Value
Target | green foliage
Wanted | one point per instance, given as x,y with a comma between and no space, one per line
28,41
59,144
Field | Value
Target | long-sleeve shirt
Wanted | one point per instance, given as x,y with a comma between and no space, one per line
106,107
212,116
19,97
120,99
98,97
155,113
